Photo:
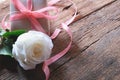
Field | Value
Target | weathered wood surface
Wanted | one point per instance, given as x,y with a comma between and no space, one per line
95,53
96,46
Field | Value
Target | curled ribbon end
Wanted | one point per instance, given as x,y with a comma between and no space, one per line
46,70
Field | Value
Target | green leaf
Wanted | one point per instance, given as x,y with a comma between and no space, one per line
5,51
15,33
8,43
8,39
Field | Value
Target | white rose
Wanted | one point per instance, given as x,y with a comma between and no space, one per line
32,48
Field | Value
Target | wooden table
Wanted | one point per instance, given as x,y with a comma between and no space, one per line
95,52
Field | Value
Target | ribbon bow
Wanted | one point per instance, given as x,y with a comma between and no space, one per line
32,16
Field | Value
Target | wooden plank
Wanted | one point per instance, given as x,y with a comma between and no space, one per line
85,7
98,37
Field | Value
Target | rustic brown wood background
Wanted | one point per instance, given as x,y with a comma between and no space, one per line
95,52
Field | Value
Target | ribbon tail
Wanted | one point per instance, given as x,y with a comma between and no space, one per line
62,53
55,34
46,70
4,24
59,55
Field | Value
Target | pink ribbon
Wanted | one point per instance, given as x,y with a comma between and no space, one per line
32,16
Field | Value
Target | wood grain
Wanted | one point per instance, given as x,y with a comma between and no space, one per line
98,37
